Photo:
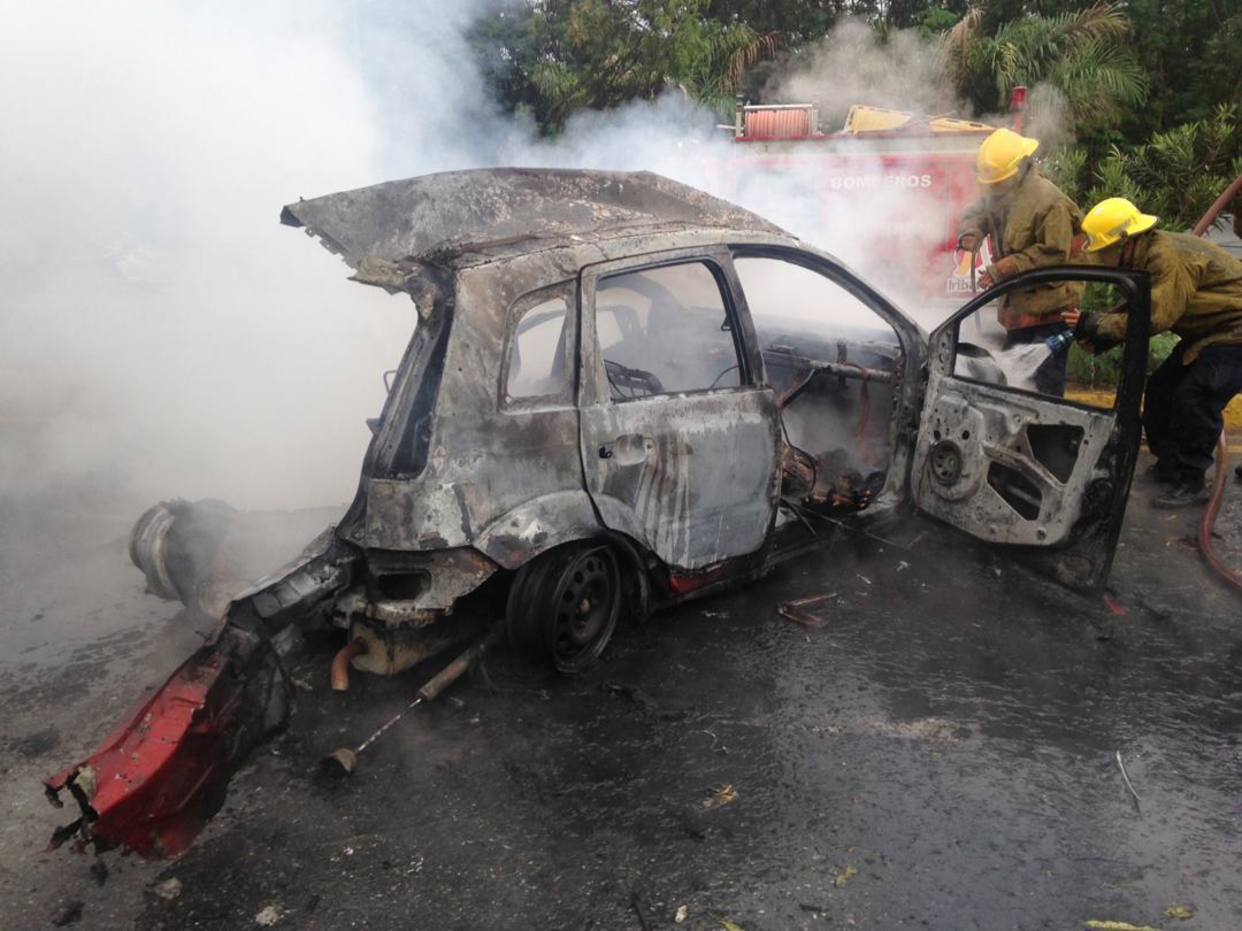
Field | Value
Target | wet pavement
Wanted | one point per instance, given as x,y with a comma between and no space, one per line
940,753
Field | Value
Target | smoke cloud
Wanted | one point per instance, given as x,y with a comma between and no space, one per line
162,334
851,65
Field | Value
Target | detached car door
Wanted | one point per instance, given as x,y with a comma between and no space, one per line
679,436
1005,459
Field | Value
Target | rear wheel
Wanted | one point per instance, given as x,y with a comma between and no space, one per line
563,606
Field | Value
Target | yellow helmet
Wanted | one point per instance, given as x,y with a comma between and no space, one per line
1000,155
1112,220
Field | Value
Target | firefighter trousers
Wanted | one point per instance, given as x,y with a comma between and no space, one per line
1183,411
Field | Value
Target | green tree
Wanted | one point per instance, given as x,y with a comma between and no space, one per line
1178,173
1083,53
1175,174
555,58
1192,50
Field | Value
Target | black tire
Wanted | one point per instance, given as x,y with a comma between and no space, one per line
563,605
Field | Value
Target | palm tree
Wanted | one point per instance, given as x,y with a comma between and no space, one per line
731,51
1081,53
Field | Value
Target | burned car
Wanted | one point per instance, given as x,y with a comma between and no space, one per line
620,393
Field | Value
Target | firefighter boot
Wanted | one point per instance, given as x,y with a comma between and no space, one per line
1185,493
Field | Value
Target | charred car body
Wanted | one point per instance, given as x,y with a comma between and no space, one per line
620,393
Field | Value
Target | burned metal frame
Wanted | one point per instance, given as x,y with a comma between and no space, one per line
1075,538
460,491
909,382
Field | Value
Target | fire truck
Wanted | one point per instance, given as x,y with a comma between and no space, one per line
928,160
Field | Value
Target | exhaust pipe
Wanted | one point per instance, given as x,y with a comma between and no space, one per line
340,663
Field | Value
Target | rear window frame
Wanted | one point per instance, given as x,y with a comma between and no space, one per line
567,292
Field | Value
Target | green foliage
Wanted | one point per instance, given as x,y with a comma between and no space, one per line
1103,372
555,58
1177,174
1191,50
798,21
1083,53
1065,167
936,20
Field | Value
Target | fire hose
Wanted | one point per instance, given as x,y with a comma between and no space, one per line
1208,525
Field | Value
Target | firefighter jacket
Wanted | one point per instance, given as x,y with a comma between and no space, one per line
1031,225
1196,291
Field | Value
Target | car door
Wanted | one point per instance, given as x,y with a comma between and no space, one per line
679,435
1042,475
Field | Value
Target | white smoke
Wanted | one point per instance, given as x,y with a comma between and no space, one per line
853,65
162,333
160,330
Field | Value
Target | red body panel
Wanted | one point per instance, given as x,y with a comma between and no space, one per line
160,775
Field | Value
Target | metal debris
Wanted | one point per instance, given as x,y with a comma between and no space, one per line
344,761
796,610
1129,785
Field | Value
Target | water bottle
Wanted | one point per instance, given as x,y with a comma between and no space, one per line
1060,342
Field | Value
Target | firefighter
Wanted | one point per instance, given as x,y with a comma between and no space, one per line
1031,225
1197,294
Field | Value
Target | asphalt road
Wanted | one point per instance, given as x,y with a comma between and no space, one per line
941,753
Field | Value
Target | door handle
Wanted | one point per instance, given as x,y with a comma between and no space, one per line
628,449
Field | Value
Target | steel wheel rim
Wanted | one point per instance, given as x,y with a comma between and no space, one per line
585,600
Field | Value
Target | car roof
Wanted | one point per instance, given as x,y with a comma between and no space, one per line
447,216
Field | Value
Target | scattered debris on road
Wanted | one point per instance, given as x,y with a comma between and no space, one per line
797,612
344,761
725,795
68,913
630,693
1129,785
269,915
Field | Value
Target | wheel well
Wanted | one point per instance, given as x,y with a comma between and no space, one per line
636,581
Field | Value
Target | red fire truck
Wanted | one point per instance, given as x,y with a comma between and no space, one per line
929,161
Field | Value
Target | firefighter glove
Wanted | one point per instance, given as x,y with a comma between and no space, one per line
1088,331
